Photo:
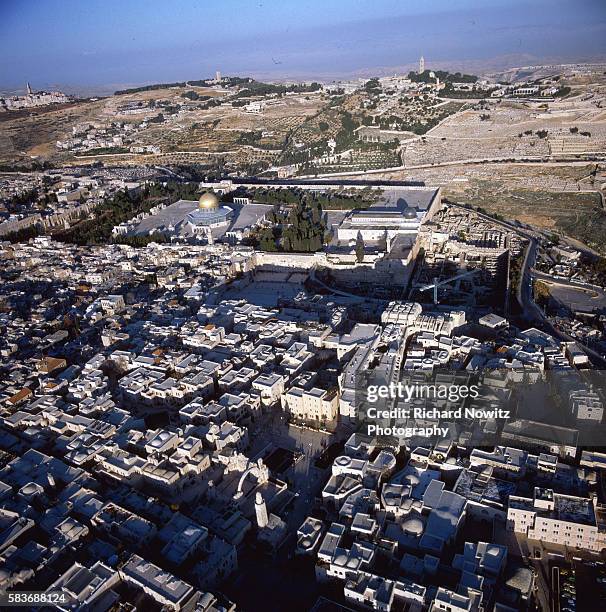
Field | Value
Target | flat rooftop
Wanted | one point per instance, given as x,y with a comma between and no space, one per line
399,198
566,508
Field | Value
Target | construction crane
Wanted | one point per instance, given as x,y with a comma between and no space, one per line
437,284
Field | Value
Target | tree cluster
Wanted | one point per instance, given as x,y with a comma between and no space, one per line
373,86
541,293
257,88
299,229
443,75
450,92
249,138
194,95
345,137
141,241
326,200
22,235
230,81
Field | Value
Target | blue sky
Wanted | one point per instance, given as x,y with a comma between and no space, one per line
113,42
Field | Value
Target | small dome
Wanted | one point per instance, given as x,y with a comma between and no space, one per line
410,213
413,526
29,489
208,201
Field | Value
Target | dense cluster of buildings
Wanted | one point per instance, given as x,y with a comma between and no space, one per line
55,199
166,409
114,137
32,99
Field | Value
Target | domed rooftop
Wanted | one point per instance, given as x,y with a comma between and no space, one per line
410,213
343,460
413,526
29,489
208,201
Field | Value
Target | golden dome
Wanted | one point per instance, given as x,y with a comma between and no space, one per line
208,201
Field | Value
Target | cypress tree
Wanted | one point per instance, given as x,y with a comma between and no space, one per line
359,248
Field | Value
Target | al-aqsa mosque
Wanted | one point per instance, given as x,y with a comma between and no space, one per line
209,214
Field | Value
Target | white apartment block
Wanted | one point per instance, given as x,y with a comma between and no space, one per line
227,434
370,591
112,304
450,601
161,586
270,387
505,459
564,520
311,405
586,405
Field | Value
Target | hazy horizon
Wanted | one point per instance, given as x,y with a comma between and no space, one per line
104,45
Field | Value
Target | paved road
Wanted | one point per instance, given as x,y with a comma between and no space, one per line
525,298
576,298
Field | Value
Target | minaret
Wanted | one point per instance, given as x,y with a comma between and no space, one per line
261,511
422,65
29,89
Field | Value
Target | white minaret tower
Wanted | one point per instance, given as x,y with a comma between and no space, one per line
261,511
29,90
422,65
209,236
